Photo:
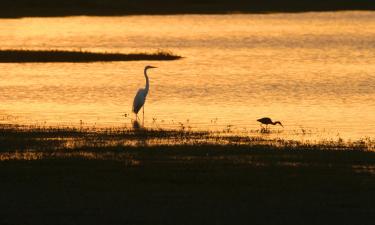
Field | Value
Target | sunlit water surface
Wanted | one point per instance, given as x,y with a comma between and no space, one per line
315,72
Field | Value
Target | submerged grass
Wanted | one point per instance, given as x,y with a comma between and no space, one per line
31,56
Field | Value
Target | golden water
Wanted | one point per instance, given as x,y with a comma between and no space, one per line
315,72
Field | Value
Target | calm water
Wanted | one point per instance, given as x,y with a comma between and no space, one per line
315,72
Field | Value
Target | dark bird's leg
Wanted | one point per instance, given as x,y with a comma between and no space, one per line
262,129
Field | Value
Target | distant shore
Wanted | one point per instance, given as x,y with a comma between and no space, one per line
24,56
46,8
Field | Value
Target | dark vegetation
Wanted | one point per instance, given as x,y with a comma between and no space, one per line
35,138
14,56
123,176
23,8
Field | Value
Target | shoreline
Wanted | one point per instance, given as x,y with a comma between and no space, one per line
69,176
167,184
6,15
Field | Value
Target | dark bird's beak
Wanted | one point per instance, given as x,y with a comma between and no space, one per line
153,67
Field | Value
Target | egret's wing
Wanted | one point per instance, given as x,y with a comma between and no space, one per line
139,100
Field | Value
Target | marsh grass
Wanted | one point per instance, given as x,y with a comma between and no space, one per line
40,138
158,176
33,56
144,146
153,148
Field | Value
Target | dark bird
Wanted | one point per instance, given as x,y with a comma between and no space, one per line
267,121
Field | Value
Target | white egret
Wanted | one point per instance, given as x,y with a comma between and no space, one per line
140,97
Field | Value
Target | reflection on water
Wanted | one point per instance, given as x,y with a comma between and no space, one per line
312,71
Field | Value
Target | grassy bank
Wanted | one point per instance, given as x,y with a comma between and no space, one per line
25,8
31,56
122,176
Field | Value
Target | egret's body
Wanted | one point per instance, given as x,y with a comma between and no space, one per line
267,121
139,100
140,97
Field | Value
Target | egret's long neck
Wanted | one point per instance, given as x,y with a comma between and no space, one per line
147,83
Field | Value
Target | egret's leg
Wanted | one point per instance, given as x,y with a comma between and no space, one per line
143,122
